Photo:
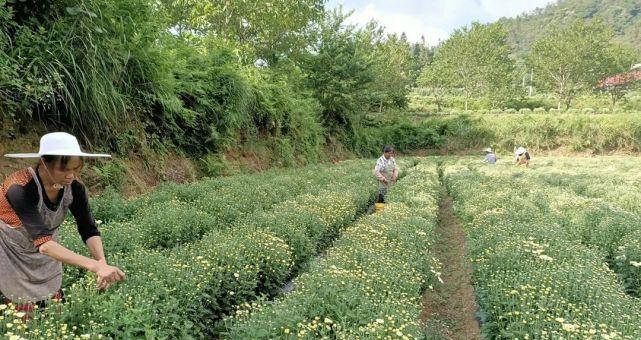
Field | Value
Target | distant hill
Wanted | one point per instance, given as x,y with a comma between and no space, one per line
624,16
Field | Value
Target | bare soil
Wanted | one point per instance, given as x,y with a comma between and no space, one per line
449,310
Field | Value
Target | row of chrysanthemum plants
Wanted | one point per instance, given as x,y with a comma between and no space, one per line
181,292
369,283
592,219
610,178
597,208
177,214
533,278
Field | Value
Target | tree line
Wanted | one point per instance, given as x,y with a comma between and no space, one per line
198,76
202,77
478,61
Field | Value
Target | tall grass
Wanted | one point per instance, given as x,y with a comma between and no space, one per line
84,67
113,73
571,132
9,82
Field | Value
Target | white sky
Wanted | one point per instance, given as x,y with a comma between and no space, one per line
434,19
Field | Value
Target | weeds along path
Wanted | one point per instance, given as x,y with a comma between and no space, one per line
449,310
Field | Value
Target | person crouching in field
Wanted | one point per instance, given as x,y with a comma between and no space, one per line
522,157
490,156
386,172
33,204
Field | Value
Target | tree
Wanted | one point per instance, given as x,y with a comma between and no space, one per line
621,58
476,61
393,71
270,29
437,79
338,73
571,60
421,56
496,70
391,61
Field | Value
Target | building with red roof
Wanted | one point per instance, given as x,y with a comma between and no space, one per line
624,78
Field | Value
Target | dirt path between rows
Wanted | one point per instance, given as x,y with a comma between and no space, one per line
449,310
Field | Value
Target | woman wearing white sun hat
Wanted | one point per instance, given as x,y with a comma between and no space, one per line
33,203
522,157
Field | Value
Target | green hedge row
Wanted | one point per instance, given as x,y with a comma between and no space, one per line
176,214
570,132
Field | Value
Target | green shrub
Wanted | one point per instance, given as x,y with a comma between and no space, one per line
168,224
627,261
284,152
180,294
525,111
111,174
515,252
529,103
111,206
403,135
215,165
556,111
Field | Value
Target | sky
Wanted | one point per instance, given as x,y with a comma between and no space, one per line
434,19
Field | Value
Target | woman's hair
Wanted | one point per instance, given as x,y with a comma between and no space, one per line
62,161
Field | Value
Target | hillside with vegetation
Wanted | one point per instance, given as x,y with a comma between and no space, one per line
199,79
554,58
622,16
199,89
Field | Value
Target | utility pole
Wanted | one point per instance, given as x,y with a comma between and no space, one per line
531,79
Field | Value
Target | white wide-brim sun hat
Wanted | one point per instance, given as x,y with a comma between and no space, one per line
57,144
520,150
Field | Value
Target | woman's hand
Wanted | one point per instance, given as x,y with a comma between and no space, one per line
106,274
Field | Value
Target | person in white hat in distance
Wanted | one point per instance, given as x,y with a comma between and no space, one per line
33,204
522,157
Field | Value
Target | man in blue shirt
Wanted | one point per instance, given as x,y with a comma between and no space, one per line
490,156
